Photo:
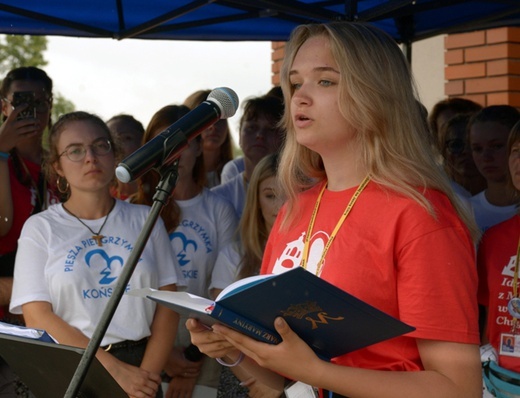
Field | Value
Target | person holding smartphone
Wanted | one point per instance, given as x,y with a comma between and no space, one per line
26,98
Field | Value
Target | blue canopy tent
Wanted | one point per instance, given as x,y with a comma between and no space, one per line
233,20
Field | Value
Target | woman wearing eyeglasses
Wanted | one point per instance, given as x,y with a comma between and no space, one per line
72,254
21,151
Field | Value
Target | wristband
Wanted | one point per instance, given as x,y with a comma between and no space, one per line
4,155
230,365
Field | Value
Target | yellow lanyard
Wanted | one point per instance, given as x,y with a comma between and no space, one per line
515,278
306,247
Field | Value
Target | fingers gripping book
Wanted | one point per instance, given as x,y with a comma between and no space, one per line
331,321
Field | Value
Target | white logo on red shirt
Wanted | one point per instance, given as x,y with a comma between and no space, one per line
291,256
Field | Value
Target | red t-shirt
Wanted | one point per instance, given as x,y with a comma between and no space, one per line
496,266
24,200
391,253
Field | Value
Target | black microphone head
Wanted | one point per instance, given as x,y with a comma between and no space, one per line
226,99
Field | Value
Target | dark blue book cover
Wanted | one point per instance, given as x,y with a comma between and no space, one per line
330,320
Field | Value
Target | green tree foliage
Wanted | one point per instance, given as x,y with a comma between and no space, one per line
60,106
16,51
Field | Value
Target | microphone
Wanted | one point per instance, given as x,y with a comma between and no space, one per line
221,103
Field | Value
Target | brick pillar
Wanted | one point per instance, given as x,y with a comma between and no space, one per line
484,66
277,55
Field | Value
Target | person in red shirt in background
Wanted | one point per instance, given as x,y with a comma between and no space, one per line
498,262
23,189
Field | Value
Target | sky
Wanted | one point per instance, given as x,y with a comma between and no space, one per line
138,77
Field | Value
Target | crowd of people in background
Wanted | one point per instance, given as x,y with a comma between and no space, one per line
414,212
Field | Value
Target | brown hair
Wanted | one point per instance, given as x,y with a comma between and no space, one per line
226,149
170,213
54,135
454,104
269,106
505,115
253,231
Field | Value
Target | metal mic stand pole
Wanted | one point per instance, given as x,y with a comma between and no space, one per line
163,192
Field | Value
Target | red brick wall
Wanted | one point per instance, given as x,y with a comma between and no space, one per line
484,66
278,48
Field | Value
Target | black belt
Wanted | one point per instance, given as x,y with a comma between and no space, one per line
125,344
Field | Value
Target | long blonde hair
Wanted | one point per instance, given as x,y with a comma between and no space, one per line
253,229
377,95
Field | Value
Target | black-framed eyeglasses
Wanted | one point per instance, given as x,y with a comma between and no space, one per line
41,105
77,152
456,146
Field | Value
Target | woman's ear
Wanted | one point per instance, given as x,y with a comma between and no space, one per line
57,168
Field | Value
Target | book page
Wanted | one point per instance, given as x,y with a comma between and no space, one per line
183,299
22,331
242,284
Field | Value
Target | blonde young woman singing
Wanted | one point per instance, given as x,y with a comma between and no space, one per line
363,187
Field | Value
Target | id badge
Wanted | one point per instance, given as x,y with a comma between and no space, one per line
298,389
510,345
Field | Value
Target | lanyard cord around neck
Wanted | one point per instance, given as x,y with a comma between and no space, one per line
306,247
515,277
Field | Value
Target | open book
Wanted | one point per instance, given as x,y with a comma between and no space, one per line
22,331
327,318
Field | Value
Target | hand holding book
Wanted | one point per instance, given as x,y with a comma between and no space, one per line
331,321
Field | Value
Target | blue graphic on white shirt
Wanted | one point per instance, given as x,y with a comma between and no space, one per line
107,271
185,243
199,231
192,244
104,266
74,253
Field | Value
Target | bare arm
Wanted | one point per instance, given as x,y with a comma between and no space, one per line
135,381
6,288
162,339
452,370
216,346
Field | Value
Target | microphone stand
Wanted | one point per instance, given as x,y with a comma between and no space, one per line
164,189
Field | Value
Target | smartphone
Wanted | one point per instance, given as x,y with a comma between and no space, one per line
25,97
